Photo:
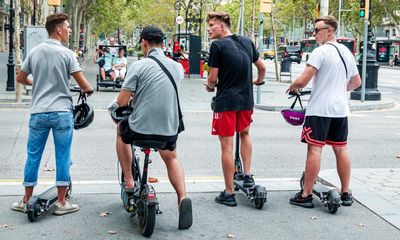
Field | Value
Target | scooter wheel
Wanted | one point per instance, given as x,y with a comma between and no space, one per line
333,201
33,213
259,196
69,191
147,218
302,182
333,207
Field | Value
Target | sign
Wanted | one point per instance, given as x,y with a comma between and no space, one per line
53,2
265,6
179,20
33,36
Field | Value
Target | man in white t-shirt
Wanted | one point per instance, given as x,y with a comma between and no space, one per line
334,70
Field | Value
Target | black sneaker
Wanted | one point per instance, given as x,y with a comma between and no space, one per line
347,198
226,198
248,181
302,201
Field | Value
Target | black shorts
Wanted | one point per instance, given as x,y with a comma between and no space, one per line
109,71
319,131
128,136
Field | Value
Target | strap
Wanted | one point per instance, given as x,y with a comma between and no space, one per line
172,81
241,46
340,55
294,103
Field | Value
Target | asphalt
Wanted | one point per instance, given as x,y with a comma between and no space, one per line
376,191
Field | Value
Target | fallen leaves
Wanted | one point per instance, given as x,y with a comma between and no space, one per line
48,169
153,180
230,235
6,226
104,214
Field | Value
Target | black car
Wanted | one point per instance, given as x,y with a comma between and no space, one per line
292,54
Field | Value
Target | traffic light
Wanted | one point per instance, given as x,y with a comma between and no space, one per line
364,9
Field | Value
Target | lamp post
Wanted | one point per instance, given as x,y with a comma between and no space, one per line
369,89
34,13
10,64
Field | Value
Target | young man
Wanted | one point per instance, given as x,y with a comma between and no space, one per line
51,64
335,71
230,62
155,115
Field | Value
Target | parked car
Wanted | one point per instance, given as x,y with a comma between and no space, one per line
268,54
292,54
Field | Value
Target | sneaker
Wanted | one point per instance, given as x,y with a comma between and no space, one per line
185,214
66,208
347,198
248,181
226,198
19,206
299,200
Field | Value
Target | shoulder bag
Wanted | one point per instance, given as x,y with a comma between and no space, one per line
181,124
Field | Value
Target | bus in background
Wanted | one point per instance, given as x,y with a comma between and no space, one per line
307,46
350,43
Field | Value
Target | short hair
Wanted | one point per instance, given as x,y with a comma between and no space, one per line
328,20
221,16
55,20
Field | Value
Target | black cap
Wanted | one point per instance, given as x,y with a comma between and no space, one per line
152,33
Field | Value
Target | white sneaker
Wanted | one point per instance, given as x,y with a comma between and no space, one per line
19,206
66,208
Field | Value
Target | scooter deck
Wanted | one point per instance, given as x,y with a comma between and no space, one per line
50,193
239,184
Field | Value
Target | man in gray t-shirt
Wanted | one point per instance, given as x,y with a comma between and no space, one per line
51,65
155,115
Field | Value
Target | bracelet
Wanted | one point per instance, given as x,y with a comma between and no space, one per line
208,88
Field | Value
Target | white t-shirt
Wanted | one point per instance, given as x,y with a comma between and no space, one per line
329,87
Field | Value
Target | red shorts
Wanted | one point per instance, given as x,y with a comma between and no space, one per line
228,122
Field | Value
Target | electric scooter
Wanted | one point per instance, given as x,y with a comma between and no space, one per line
142,201
329,197
39,205
257,193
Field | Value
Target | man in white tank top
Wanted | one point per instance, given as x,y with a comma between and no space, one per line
334,72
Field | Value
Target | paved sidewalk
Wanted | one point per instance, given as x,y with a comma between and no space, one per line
376,189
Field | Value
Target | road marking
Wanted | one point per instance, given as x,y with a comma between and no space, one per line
163,179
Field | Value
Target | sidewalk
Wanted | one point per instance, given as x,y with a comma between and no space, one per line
273,98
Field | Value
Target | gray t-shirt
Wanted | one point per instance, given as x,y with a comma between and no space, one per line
51,65
155,104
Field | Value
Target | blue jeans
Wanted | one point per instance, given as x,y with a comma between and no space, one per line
40,124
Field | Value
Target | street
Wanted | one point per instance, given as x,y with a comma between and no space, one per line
277,154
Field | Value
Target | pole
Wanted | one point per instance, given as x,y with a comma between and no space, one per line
34,12
278,77
364,63
340,8
10,64
260,48
241,17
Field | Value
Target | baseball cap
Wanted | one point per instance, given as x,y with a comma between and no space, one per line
152,33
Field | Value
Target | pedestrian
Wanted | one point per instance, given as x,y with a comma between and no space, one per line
51,64
155,115
230,63
334,71
396,58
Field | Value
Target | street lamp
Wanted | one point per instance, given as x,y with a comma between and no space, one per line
10,64
34,12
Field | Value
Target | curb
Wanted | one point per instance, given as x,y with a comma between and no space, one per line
383,104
